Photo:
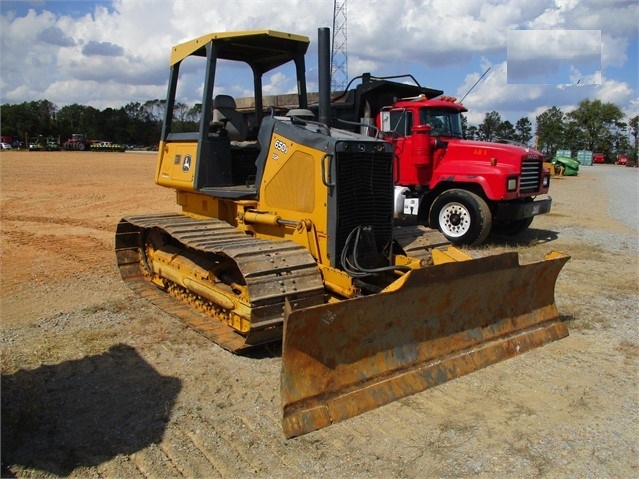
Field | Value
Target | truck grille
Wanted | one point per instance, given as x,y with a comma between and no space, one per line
364,196
530,176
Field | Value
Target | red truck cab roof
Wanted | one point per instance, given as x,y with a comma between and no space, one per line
440,102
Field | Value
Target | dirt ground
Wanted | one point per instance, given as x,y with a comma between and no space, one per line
99,383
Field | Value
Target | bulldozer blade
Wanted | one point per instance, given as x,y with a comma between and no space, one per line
345,358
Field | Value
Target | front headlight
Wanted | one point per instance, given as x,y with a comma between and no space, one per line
511,184
546,181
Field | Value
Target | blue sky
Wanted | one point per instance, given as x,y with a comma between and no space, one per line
538,53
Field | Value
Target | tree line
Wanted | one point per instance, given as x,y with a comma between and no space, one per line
594,125
132,124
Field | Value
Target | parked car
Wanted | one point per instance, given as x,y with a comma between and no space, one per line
622,160
5,146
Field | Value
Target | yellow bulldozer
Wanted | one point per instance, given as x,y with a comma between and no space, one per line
287,234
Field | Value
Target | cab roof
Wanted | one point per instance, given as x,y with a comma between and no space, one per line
263,49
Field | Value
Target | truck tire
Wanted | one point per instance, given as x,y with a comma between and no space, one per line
512,227
463,217
81,146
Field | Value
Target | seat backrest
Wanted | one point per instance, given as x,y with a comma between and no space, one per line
224,109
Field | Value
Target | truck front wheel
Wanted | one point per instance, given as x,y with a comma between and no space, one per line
463,217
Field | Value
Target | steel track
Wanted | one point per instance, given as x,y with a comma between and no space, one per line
273,271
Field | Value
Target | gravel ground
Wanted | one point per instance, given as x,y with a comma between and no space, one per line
623,194
98,383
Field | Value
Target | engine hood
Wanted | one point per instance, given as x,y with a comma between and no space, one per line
503,152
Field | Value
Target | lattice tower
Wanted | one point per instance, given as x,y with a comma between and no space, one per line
339,57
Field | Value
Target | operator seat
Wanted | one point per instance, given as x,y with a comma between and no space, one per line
226,115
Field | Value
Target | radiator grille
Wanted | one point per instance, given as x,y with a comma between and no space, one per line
364,195
530,176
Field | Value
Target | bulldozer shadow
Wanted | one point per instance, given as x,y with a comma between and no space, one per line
81,413
264,351
529,237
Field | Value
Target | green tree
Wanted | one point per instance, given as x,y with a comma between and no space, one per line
29,119
17,120
573,138
505,131
186,118
155,109
634,131
78,119
597,122
489,128
194,113
550,131
138,125
619,137
523,130
472,133
114,125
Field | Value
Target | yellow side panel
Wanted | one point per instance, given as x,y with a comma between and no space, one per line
292,183
177,165
293,187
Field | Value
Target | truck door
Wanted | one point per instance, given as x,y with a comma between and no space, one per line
396,126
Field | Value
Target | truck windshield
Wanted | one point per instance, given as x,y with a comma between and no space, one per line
443,121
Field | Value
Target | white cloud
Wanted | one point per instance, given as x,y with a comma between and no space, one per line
441,42
493,93
613,51
632,109
577,78
613,91
516,101
546,45
103,94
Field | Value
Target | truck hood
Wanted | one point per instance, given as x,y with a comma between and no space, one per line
504,152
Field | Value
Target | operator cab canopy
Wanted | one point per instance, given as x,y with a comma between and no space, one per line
263,50
216,167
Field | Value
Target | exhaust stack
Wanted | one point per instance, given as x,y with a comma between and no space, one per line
324,71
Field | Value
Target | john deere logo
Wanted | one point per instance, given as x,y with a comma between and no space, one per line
186,166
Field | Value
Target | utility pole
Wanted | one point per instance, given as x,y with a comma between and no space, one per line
339,58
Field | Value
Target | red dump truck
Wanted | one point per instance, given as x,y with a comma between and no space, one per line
466,189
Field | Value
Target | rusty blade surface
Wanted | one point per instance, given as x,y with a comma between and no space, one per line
342,359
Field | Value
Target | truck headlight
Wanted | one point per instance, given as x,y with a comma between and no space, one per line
511,184
546,181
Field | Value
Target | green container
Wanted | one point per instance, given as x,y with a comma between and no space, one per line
584,157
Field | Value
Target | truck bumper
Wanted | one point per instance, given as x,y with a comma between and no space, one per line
518,211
